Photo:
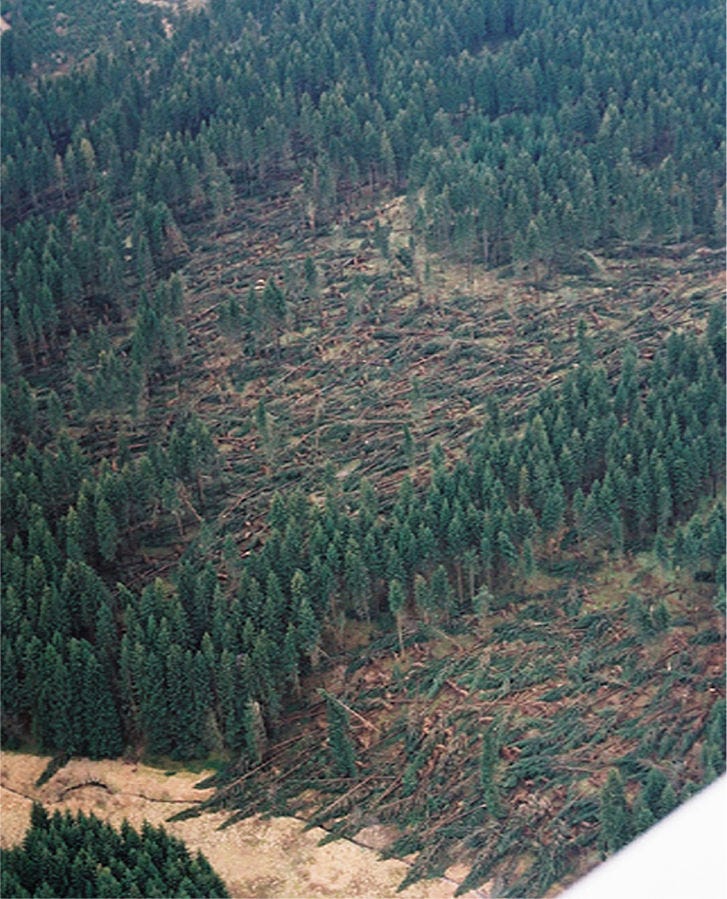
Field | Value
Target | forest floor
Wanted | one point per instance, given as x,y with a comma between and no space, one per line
256,857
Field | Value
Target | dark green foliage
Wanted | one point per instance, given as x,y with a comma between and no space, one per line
480,518
716,336
109,864
614,815
340,746
639,616
538,202
435,770
654,786
661,616
273,307
488,780
397,599
106,531
643,817
714,749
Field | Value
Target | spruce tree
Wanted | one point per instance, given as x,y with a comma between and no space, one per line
614,815
340,746
397,600
274,309
69,856
308,631
290,658
441,591
488,762
422,596
107,533
643,817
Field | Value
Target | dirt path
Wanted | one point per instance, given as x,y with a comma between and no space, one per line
256,857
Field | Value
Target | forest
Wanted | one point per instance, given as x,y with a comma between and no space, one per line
353,356
66,855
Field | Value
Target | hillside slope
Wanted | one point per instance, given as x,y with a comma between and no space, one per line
379,351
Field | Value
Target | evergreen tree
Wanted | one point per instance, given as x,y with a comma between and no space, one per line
54,713
488,762
310,274
101,724
106,531
274,309
422,596
643,817
81,856
340,747
308,632
290,658
614,815
397,599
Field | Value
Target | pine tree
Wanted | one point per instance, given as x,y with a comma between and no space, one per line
356,580
668,800
643,817
488,762
614,815
441,591
54,713
397,599
274,309
308,632
716,336
527,558
107,533
253,728
290,658
553,510
422,596
81,856
274,608
340,747
313,291
102,725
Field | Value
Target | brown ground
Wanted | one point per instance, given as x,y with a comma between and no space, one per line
255,857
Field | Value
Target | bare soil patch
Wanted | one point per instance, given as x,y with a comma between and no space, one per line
255,857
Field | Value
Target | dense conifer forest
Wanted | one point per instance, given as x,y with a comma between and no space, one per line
78,856
385,339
